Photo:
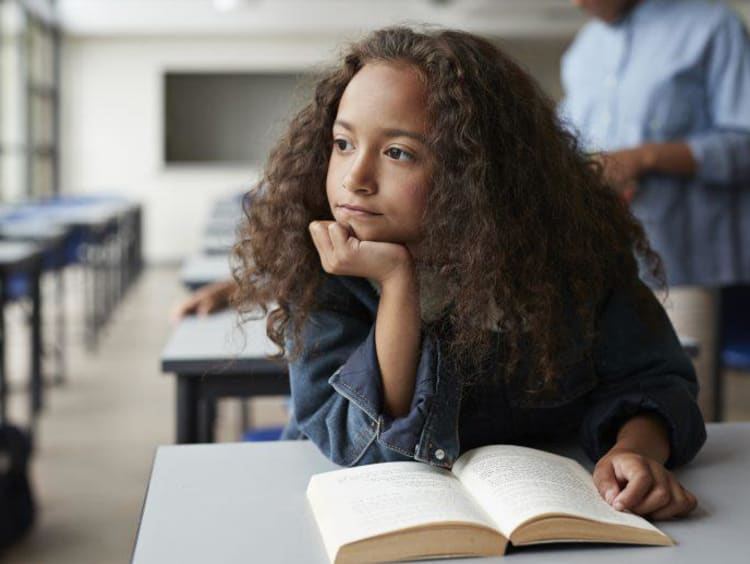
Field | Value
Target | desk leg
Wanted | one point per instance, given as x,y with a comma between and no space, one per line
36,341
207,420
187,410
3,375
60,332
718,363
89,292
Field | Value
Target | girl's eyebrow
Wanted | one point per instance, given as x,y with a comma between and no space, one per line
388,132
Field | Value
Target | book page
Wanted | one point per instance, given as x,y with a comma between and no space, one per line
357,503
514,484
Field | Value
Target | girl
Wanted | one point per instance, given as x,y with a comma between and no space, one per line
451,271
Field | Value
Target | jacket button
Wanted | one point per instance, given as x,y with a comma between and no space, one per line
440,454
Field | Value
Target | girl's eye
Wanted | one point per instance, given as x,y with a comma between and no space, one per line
343,145
399,154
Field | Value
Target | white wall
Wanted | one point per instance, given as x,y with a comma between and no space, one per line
111,125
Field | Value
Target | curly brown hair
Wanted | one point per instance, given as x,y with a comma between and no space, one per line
517,213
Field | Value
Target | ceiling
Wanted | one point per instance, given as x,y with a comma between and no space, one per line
209,17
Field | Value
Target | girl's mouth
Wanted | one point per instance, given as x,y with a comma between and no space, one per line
357,211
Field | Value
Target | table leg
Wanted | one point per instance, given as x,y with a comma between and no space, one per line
187,409
89,292
60,323
718,364
36,340
206,420
3,375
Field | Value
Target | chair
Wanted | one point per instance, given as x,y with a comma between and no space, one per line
733,351
262,434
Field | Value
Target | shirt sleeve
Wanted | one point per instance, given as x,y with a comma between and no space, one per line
641,368
337,393
721,152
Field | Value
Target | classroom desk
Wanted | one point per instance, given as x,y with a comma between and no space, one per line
212,357
110,233
52,240
690,346
26,258
239,503
222,226
218,243
200,270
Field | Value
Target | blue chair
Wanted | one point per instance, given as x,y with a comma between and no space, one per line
262,434
734,339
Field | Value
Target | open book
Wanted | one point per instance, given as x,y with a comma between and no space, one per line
494,494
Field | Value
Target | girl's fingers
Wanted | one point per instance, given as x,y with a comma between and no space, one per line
639,482
691,502
682,502
320,237
322,242
339,236
659,497
606,481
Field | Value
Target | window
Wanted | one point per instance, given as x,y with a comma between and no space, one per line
29,102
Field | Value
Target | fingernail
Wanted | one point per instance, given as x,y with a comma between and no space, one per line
618,505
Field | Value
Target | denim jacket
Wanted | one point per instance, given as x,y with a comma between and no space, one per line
633,366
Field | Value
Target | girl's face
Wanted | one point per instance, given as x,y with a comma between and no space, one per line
378,176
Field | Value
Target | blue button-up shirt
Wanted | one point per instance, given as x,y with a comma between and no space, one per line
674,70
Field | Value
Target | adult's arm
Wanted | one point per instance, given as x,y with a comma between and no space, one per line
722,152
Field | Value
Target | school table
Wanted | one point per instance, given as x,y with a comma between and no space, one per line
214,357
200,270
245,502
110,251
218,243
222,225
52,239
98,227
690,346
22,258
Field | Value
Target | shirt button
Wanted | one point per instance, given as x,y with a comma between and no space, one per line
440,454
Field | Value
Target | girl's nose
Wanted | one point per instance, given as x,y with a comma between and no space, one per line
361,177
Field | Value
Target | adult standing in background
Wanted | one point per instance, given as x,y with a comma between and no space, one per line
662,88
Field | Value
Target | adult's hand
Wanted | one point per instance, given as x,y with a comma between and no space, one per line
622,169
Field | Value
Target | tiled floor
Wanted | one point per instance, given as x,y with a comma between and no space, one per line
97,435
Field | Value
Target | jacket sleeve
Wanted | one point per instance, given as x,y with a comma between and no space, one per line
337,393
641,367
721,152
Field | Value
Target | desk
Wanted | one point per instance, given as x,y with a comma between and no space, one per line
26,258
212,357
223,226
240,503
200,270
218,244
52,239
